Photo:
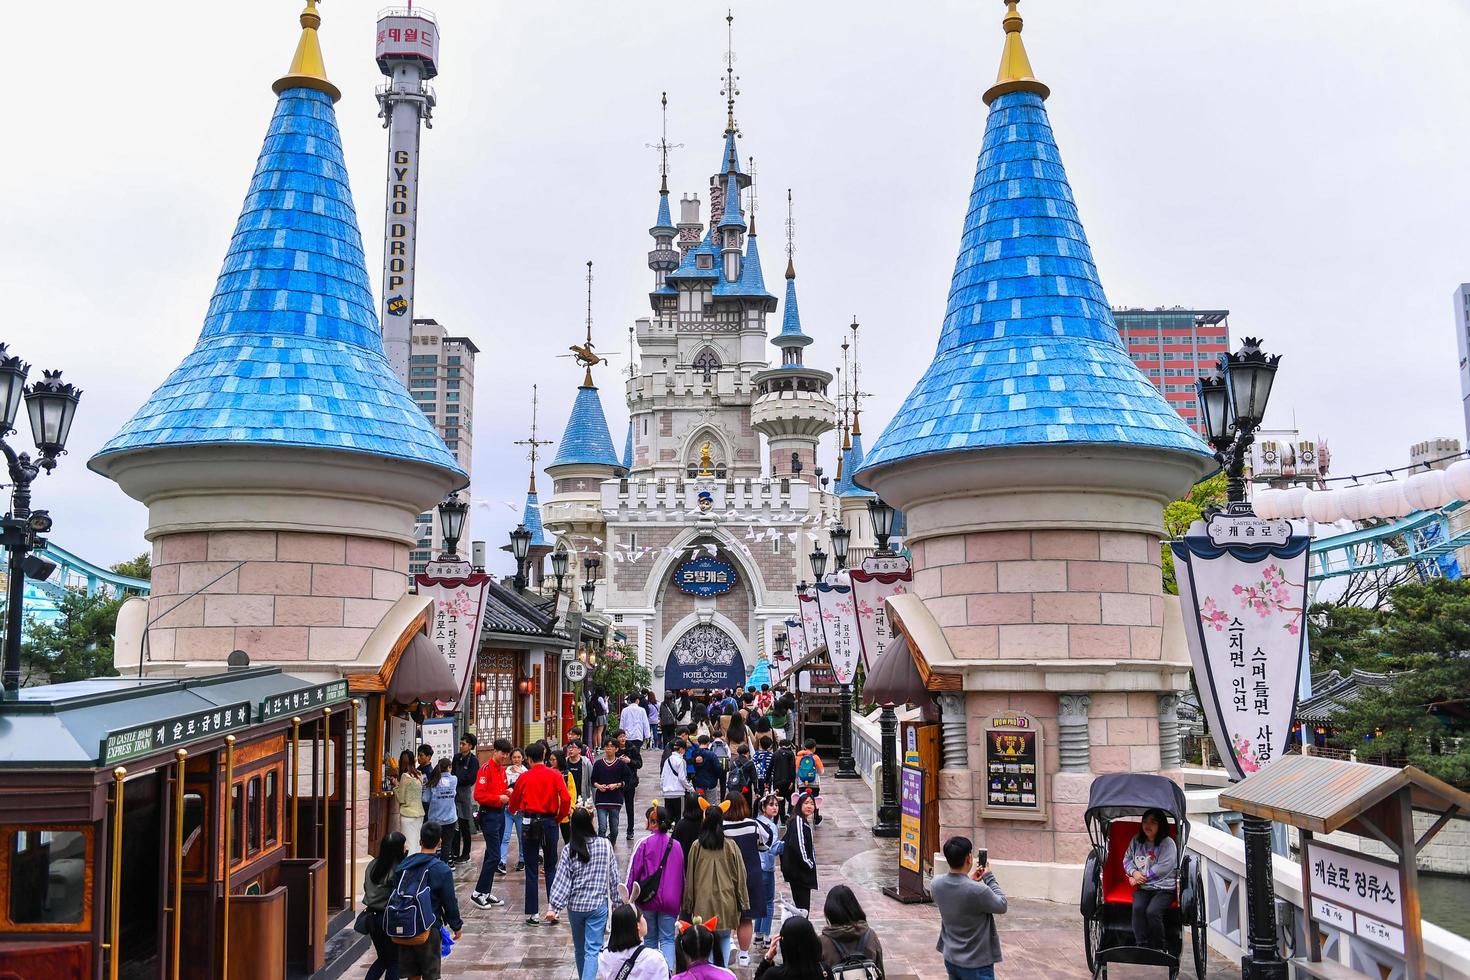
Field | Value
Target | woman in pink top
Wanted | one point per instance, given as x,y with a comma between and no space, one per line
661,909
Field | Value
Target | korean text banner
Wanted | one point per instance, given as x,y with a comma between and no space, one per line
454,623
811,620
1243,608
880,577
839,623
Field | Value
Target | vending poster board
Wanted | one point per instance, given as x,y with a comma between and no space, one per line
1014,763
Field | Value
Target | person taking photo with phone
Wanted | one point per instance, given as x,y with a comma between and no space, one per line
968,898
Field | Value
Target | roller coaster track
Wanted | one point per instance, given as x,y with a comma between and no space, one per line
1424,539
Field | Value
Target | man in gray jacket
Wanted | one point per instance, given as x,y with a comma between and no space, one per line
968,899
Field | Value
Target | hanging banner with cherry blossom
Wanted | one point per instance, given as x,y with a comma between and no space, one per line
811,619
880,577
839,626
454,622
796,649
1243,588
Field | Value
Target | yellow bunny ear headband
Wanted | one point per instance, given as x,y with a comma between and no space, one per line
705,804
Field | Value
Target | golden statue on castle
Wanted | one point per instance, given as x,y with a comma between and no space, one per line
704,461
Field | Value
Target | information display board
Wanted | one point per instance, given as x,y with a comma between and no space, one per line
1358,894
1014,764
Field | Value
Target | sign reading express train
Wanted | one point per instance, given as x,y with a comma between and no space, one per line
705,577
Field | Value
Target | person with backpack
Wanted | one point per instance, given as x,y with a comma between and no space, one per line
800,951
707,769
542,799
809,771
783,774
673,779
440,790
850,948
721,751
586,886
799,853
627,955
377,887
422,899
780,714
492,793
762,759
752,840
714,879
668,717
743,778
656,883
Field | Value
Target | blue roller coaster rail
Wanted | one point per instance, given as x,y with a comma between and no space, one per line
1424,539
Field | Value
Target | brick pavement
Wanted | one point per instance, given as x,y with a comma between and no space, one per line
1039,939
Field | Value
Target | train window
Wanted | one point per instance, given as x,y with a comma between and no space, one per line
272,805
48,876
237,805
252,815
194,845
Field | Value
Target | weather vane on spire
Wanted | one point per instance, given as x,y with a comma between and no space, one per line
533,442
585,354
856,378
663,146
730,90
754,196
790,236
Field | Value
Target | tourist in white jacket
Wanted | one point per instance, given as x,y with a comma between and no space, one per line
673,778
625,941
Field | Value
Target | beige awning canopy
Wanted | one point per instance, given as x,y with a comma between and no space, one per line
1326,795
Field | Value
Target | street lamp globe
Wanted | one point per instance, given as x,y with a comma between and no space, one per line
559,560
840,537
13,373
1214,407
452,513
591,566
52,404
819,563
520,542
589,590
1249,373
882,517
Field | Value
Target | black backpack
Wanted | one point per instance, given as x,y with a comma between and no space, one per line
741,779
854,964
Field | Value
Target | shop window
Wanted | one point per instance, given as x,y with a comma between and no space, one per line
48,876
252,815
272,806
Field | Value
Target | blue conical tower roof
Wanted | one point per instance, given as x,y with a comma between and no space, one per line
731,217
729,156
791,334
665,219
531,519
290,353
1029,352
586,440
852,461
628,448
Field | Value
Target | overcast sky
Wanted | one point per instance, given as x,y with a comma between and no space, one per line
1301,164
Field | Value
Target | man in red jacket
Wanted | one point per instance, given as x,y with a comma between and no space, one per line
540,796
493,794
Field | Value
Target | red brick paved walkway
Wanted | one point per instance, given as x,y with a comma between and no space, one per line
1039,939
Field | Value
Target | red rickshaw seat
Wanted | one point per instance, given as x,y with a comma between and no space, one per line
1116,888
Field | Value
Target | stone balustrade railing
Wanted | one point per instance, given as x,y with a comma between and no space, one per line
780,500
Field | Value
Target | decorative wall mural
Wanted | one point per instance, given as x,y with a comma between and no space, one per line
704,657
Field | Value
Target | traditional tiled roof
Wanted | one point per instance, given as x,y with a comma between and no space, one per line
290,353
531,519
1028,352
731,218
586,440
665,220
628,448
510,612
852,461
791,335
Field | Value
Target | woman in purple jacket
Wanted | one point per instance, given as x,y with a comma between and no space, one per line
661,909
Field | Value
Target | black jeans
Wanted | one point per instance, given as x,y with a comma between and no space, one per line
542,842
385,967
674,807
1149,906
801,897
464,834
447,842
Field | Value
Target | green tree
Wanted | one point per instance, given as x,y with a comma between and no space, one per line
77,644
139,567
1423,717
1180,514
1343,637
618,672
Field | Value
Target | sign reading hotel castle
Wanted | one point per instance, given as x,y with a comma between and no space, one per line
705,577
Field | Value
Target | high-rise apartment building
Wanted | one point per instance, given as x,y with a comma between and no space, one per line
441,379
1173,347
1462,341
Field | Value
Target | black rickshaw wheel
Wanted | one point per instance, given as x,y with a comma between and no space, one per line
1092,931
1198,936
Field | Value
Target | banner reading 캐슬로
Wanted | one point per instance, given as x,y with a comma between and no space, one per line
1243,592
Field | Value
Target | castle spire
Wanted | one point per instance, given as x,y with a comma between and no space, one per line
308,70
790,240
730,90
1015,68
587,356
533,442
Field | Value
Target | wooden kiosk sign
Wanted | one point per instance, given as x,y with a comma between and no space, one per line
1365,909
1014,761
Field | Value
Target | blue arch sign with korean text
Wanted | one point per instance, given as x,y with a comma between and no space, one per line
705,577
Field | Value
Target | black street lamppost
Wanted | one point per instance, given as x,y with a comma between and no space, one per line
887,824
51,404
520,546
589,587
819,563
589,592
452,513
559,560
846,765
1233,404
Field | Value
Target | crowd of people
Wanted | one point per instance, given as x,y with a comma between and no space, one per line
734,822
